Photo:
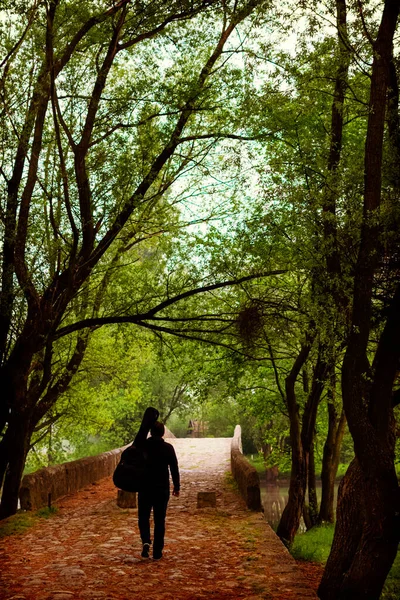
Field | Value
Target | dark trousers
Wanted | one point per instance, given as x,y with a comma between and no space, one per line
156,499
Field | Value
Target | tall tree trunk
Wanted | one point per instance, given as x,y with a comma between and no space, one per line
331,455
330,463
291,516
364,545
373,429
334,286
312,490
310,510
377,548
29,407
308,431
15,451
348,531
290,520
3,457
302,439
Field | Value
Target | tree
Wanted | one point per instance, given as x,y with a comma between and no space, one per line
364,562
329,291
69,198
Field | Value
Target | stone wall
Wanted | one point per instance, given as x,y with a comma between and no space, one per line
43,487
244,473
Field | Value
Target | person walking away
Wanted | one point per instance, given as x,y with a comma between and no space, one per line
160,459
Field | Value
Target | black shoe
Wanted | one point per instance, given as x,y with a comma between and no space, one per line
157,555
145,551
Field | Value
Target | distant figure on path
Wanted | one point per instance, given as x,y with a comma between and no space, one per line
155,493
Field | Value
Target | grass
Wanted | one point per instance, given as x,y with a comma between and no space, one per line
47,512
315,545
22,521
391,590
257,460
16,524
231,481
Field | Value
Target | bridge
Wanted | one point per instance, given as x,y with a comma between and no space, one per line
90,548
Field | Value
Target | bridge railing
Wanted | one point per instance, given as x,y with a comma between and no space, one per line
244,473
48,484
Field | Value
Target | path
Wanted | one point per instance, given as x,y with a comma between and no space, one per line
89,550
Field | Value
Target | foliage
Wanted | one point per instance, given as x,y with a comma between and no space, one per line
123,372
155,155
113,129
178,424
257,461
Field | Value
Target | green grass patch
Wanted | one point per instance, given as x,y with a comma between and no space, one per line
257,460
315,545
16,524
47,512
391,590
22,521
251,558
231,481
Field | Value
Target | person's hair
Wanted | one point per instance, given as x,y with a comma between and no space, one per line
158,429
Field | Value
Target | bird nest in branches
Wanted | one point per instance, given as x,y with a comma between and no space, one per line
250,323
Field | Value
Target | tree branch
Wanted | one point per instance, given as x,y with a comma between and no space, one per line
96,20
182,16
17,44
149,315
169,148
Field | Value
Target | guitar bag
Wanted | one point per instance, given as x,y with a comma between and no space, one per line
130,473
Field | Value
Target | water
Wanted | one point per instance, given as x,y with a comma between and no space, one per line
274,498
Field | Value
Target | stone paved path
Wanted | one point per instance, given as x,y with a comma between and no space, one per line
89,550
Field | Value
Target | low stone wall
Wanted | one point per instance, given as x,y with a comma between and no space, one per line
244,473
42,487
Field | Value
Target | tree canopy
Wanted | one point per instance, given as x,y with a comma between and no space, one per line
200,201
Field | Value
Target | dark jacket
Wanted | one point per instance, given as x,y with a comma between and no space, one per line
159,456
